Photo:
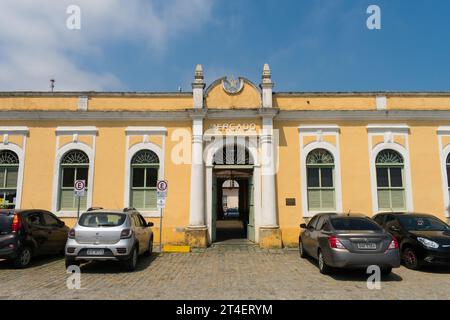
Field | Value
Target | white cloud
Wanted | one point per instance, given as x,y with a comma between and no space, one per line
35,44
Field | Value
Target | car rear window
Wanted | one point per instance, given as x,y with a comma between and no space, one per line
5,223
352,224
95,220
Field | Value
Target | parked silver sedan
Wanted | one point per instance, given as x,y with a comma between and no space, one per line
348,241
109,235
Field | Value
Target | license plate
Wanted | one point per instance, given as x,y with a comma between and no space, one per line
95,252
367,246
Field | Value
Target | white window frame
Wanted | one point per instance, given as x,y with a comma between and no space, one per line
5,132
389,132
145,133
319,131
444,152
75,132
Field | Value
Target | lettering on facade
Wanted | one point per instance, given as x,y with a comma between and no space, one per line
233,127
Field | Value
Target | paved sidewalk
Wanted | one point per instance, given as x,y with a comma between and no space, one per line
221,272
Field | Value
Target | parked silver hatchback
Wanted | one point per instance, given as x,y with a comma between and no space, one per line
102,235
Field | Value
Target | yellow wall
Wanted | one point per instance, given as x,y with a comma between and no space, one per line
286,102
249,97
109,174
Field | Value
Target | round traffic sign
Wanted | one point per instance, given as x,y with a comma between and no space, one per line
80,185
161,185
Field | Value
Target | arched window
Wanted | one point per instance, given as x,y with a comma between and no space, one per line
144,176
9,168
390,187
320,180
74,166
233,154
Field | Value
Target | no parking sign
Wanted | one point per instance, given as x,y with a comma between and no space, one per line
161,193
79,188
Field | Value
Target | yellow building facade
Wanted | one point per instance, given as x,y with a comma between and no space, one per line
295,154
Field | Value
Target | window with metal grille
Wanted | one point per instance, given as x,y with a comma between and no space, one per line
390,188
144,176
320,180
233,154
74,166
9,168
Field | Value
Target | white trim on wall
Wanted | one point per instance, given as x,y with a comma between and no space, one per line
90,152
145,132
20,152
319,131
61,151
444,152
389,132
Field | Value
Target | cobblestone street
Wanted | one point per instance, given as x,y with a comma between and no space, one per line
223,272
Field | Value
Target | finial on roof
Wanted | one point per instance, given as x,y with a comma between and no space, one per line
266,76
199,72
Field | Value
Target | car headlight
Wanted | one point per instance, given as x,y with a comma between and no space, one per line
428,243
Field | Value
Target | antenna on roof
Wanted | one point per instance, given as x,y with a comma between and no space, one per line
52,84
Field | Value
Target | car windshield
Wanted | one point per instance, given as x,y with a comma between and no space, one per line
5,223
94,220
354,224
423,224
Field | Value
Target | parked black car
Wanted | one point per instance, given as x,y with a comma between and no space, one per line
28,233
423,238
348,241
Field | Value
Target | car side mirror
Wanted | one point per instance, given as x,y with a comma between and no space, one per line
150,224
303,226
62,224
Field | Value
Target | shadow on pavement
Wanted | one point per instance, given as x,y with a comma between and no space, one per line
354,274
35,262
106,267
435,269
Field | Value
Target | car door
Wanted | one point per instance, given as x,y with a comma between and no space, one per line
57,235
306,235
137,226
316,234
146,232
38,232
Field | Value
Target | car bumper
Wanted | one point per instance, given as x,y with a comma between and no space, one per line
437,258
112,252
7,253
346,259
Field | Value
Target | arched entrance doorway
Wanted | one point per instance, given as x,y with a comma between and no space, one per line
232,196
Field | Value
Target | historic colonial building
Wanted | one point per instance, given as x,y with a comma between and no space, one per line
289,155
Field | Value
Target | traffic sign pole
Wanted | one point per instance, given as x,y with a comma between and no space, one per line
161,190
78,211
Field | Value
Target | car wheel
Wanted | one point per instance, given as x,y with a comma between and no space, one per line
23,258
410,259
131,262
323,267
303,254
149,251
72,262
386,271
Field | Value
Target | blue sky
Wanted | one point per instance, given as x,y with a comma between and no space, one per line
138,45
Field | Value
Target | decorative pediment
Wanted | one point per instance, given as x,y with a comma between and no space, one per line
233,93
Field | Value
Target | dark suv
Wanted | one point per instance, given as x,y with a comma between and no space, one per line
28,233
423,238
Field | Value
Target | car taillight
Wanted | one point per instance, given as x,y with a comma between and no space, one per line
16,224
393,244
72,234
335,243
126,233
